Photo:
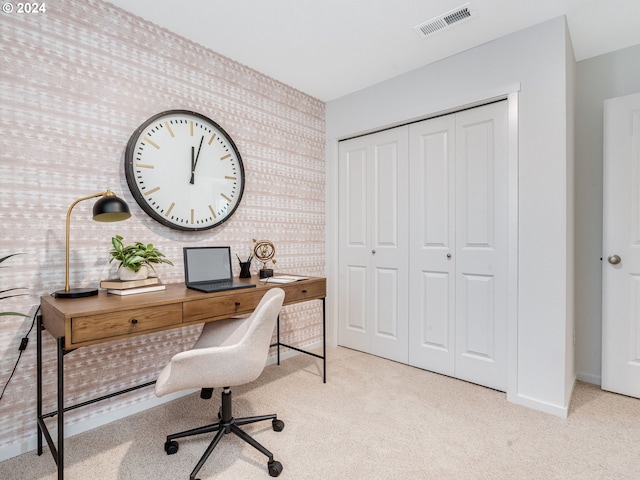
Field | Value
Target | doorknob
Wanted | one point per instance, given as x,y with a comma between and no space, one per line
614,259
373,252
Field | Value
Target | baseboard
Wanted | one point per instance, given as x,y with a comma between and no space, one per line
557,410
590,378
31,443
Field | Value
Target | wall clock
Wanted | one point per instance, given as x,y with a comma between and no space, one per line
184,170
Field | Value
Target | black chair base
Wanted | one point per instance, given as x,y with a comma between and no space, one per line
228,424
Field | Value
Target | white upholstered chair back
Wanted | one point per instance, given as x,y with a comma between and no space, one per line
228,352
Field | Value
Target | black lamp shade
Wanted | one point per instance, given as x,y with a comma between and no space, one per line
110,209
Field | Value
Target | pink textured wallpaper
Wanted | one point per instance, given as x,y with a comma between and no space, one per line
75,82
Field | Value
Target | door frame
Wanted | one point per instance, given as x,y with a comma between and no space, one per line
509,93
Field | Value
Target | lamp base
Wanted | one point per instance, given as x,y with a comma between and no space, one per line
76,293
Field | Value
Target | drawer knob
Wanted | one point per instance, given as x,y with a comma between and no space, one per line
237,304
304,291
134,321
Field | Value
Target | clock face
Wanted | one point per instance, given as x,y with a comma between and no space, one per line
184,170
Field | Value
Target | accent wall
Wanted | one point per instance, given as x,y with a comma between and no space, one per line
75,82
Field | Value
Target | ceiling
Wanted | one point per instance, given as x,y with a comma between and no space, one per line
331,48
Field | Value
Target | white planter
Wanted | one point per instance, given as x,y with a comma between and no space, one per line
126,274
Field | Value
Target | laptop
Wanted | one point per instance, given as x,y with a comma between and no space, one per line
208,269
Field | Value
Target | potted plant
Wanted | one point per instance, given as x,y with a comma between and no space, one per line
135,260
6,293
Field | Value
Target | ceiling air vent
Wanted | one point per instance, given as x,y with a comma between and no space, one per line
445,21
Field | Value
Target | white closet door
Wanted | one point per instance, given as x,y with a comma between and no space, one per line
458,247
428,287
432,244
355,244
373,283
481,245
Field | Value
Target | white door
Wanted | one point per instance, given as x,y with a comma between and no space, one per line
458,260
481,245
432,312
621,245
373,277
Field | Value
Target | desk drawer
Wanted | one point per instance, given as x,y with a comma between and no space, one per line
222,307
301,292
127,322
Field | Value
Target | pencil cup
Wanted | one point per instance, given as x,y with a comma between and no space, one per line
245,269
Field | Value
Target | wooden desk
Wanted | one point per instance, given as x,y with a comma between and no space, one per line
80,322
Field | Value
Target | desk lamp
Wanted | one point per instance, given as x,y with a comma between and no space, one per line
108,209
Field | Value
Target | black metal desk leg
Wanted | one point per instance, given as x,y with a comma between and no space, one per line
324,342
60,459
39,379
278,333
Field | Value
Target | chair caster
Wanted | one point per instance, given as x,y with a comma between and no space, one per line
171,447
278,425
275,468
206,393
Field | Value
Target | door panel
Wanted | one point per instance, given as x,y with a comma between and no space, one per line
385,191
432,233
386,297
356,293
476,328
356,200
354,246
481,245
475,183
621,226
389,259
436,305
373,239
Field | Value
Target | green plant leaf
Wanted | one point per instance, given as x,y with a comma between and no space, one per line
15,314
12,289
8,256
135,255
2,292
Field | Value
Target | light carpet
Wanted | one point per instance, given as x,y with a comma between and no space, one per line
373,419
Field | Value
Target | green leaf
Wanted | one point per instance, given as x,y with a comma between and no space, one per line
4,297
9,256
135,255
15,314
12,289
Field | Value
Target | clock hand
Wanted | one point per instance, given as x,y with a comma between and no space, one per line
193,165
195,162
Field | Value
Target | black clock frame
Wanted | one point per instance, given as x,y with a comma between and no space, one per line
129,170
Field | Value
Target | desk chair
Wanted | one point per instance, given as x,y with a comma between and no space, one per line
229,352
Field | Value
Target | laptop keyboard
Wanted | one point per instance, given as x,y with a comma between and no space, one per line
221,283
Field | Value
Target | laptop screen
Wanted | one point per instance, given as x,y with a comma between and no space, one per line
207,264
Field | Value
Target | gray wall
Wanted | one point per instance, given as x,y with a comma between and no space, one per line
606,76
570,367
536,61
